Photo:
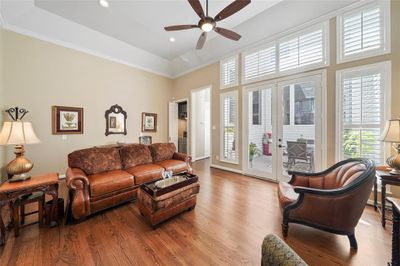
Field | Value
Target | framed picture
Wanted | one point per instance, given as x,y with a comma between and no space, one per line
67,120
149,122
146,140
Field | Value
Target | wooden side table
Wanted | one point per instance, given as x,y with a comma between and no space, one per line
386,179
396,231
9,192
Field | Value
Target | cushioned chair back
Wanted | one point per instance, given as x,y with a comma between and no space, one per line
135,154
95,160
339,176
162,151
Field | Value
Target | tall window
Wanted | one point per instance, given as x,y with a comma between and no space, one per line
229,72
364,32
229,127
361,98
256,108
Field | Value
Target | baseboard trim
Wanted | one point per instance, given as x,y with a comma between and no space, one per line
226,169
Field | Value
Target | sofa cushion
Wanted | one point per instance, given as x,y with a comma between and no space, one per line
95,160
162,151
175,166
145,173
286,194
135,154
111,181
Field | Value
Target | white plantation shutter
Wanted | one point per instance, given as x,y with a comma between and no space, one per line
229,127
364,32
229,72
362,116
302,50
259,63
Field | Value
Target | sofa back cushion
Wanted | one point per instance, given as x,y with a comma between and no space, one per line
135,154
95,160
162,151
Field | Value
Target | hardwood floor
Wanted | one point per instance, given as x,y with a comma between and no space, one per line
231,218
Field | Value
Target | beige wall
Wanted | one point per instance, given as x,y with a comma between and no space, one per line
39,74
209,75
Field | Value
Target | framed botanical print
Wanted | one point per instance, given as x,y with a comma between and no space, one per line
149,122
67,120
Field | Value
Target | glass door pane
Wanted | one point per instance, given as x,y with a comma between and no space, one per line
298,125
259,131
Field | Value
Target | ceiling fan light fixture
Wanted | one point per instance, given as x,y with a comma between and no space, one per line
207,27
104,3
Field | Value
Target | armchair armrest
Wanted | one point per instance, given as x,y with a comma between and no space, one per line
184,157
78,185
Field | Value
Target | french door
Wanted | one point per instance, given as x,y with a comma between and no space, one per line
282,127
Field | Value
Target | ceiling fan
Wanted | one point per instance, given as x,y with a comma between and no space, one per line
207,23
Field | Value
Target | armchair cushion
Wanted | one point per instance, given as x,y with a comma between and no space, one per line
162,151
135,154
111,181
286,194
95,160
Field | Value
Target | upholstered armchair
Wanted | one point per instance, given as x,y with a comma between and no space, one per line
332,200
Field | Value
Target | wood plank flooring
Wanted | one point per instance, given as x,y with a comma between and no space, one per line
232,216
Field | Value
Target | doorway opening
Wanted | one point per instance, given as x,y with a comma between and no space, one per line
200,147
178,124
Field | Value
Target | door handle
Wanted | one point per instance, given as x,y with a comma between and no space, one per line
280,146
279,140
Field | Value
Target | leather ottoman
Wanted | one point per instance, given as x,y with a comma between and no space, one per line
158,208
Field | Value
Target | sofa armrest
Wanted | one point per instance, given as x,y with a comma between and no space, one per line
184,157
78,185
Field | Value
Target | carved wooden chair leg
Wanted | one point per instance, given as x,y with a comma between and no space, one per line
285,228
353,241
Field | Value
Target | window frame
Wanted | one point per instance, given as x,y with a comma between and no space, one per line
384,68
386,32
224,61
235,95
255,50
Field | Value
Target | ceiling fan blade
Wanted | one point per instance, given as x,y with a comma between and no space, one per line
231,9
228,33
201,41
196,5
180,27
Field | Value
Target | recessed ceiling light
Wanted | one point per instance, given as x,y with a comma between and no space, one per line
172,39
104,3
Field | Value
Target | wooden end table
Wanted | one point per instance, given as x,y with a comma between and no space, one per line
9,192
396,231
386,179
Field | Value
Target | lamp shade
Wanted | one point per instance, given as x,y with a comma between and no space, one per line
18,133
391,132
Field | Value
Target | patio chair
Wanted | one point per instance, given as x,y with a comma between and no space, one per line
297,153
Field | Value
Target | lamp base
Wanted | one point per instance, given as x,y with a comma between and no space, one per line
394,164
19,178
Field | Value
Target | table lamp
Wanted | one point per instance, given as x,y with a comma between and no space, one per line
391,134
18,133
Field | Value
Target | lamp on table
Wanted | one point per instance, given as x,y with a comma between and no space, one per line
18,133
392,134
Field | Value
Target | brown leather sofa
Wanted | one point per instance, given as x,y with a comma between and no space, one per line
332,200
102,177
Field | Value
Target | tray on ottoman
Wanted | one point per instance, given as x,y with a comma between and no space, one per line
161,199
